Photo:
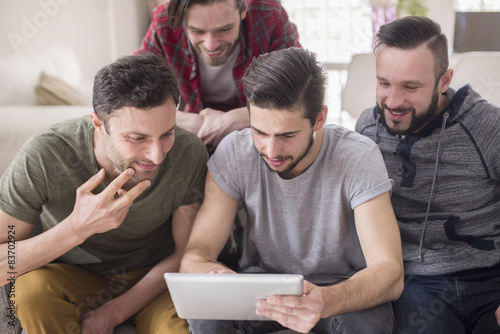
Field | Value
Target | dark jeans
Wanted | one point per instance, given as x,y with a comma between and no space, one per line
377,320
444,305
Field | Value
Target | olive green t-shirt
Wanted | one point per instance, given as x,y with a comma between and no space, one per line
43,178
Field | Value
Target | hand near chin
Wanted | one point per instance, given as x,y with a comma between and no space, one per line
103,212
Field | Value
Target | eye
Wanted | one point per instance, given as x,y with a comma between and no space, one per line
136,139
197,32
167,135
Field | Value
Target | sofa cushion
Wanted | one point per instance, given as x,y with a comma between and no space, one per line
53,91
19,73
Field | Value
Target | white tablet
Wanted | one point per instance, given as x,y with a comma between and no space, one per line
227,296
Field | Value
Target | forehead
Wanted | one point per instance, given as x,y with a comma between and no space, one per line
155,121
212,15
276,120
393,64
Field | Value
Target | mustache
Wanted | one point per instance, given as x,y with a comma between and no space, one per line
279,157
400,109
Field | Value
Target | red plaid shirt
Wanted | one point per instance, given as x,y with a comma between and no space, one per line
265,28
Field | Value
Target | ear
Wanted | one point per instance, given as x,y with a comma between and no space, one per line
321,118
97,123
445,81
244,9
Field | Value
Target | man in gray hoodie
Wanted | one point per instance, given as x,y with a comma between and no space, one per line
442,149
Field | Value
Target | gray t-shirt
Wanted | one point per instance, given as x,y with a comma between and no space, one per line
43,178
304,225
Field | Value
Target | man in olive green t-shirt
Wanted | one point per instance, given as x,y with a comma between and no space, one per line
116,195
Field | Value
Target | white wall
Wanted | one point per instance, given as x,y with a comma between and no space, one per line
98,30
442,12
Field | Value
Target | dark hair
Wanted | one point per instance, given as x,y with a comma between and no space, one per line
412,31
289,79
144,81
176,9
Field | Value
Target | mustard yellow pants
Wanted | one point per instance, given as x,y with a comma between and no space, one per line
50,300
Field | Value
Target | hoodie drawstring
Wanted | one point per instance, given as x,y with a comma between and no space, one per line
375,139
443,126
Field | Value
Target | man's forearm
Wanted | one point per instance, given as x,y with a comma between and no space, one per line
37,251
198,260
189,121
141,294
368,288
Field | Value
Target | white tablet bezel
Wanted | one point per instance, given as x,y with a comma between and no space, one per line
227,296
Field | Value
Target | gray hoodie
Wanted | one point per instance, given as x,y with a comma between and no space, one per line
446,192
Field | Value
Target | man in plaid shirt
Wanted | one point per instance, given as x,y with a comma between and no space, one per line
210,44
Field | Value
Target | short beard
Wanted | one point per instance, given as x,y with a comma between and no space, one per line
294,162
214,61
417,122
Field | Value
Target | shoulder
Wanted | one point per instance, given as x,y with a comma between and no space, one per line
349,148
266,12
238,142
235,150
160,17
188,146
342,137
259,6
161,26
61,138
366,120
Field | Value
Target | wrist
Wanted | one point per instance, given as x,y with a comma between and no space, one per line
113,312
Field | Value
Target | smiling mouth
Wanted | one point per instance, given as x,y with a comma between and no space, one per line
398,113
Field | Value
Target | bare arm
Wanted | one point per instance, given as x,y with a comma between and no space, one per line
150,286
189,121
92,214
380,282
211,230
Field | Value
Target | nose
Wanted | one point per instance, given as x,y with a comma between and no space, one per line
394,98
155,152
273,148
211,42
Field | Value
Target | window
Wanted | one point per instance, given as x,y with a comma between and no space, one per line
334,30
477,5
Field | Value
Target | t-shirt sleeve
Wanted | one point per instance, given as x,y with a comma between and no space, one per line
369,178
223,167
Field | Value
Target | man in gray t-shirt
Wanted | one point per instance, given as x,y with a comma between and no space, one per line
315,207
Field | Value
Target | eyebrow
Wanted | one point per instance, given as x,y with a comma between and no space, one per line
282,134
412,82
227,26
146,135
